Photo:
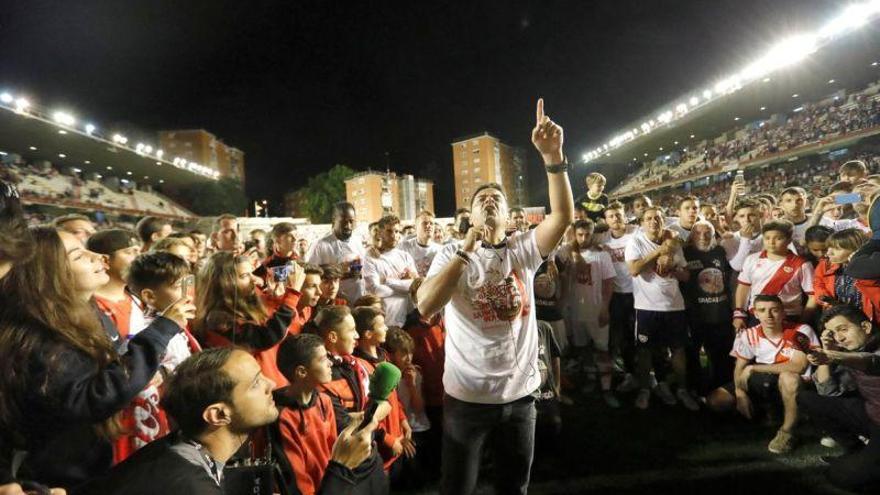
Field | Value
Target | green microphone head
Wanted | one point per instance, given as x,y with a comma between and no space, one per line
383,381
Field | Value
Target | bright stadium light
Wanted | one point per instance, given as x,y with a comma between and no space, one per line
159,153
64,118
148,149
62,155
707,94
90,128
694,101
6,98
787,52
21,105
853,17
119,138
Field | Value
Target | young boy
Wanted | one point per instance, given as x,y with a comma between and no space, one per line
306,429
770,359
156,279
348,387
775,271
370,325
595,200
330,287
400,348
120,247
591,281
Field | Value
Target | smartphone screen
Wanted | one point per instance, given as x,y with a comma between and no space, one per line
847,199
188,287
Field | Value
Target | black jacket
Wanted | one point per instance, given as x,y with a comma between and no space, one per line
66,395
865,263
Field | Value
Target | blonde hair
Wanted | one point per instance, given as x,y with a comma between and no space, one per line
596,177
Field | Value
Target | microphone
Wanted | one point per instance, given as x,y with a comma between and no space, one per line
383,381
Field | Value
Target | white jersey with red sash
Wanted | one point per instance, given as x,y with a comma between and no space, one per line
789,278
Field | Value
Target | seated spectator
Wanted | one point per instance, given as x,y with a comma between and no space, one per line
770,365
849,342
79,225
233,312
80,373
152,230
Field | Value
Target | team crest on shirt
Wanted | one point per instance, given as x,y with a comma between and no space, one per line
787,269
505,300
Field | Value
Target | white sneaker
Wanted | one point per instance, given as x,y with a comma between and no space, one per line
628,385
665,393
643,399
828,442
686,400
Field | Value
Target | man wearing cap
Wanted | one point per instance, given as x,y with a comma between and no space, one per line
120,247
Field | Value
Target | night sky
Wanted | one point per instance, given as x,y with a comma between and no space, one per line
303,85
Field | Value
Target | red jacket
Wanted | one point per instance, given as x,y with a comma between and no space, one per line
306,435
262,340
823,285
429,354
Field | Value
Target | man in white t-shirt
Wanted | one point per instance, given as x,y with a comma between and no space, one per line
770,364
656,262
621,311
422,247
484,285
390,274
793,202
342,248
688,214
590,276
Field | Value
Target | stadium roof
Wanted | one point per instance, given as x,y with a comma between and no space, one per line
35,135
849,62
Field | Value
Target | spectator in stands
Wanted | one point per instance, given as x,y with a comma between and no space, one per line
176,246
422,247
707,298
688,214
850,344
770,359
594,200
620,310
390,274
225,236
259,237
330,278
80,373
340,246
119,247
657,265
152,230
232,312
79,225
775,271
518,221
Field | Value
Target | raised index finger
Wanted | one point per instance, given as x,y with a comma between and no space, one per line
539,112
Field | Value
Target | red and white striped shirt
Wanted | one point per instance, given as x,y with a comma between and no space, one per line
752,344
758,271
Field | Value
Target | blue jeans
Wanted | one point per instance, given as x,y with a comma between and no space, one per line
510,429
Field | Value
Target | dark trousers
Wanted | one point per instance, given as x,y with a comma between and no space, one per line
510,431
622,328
844,418
717,340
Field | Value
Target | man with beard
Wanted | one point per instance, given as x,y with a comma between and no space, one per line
484,286
390,274
341,247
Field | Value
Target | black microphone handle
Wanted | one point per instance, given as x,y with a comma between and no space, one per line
372,406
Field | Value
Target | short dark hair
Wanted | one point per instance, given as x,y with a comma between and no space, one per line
747,203
197,383
310,269
341,207
854,166
329,317
367,300
331,271
461,211
693,198
398,340
817,233
148,226
225,216
388,220
364,316
155,269
297,350
784,226
767,298
615,205
519,209
58,222
851,313
585,224
800,191
282,228
488,185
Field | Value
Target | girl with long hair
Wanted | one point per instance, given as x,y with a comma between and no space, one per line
233,311
63,377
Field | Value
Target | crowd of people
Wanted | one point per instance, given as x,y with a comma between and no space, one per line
151,360
809,124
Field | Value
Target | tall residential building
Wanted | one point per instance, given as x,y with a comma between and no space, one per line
376,194
202,147
483,158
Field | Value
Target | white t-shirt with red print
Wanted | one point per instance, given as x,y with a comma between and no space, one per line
752,344
422,255
616,247
585,283
653,291
491,331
